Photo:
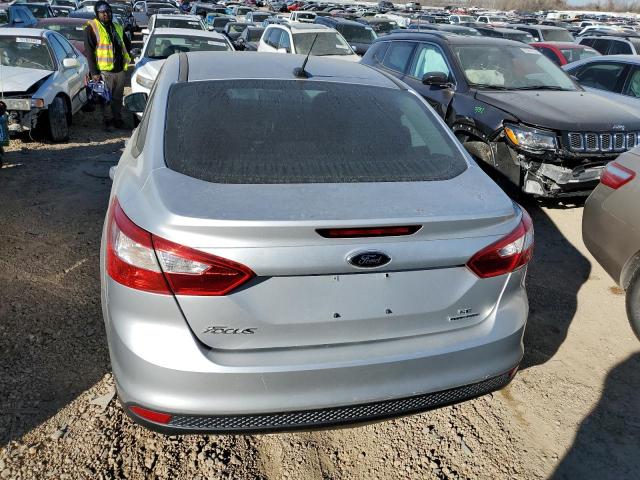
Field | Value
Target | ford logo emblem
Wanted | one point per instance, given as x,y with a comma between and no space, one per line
369,259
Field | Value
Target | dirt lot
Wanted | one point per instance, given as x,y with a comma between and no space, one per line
573,411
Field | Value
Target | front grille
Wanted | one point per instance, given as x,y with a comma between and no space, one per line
601,142
338,415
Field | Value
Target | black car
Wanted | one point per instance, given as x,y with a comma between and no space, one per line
16,16
359,36
512,108
233,30
506,33
249,39
382,26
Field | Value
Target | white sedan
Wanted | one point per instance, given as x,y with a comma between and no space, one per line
42,78
162,43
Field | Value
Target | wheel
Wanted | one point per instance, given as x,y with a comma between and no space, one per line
633,303
58,117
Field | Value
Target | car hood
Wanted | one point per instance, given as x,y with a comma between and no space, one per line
19,79
150,68
575,111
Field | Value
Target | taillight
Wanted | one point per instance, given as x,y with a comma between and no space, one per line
131,260
368,231
141,260
507,254
615,175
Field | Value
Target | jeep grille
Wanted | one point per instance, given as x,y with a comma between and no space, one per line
603,142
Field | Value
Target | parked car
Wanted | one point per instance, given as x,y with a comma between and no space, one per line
357,35
506,33
292,38
142,10
611,230
461,18
302,16
233,30
249,39
218,23
239,12
494,20
16,16
64,3
90,14
562,53
617,75
612,45
433,27
61,11
125,12
545,33
164,42
256,16
42,80
204,10
382,26
513,109
188,22
341,318
40,10
70,28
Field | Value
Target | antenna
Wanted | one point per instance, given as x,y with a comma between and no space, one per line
300,72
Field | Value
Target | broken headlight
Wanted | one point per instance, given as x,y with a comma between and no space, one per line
530,139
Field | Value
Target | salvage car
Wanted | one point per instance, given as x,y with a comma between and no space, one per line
190,22
16,16
231,308
611,228
562,53
70,28
42,80
359,36
513,109
614,75
249,39
164,42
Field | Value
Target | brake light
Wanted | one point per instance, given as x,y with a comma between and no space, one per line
368,232
507,254
131,260
147,414
141,260
615,175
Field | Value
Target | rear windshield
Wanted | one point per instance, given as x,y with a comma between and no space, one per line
575,54
72,32
287,131
255,34
178,23
357,34
557,36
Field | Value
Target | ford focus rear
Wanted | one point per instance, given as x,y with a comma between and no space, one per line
303,250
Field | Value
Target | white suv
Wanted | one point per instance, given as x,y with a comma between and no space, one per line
298,38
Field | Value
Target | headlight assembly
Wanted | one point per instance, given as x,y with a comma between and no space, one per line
530,139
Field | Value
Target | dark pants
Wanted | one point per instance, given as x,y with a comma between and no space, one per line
115,83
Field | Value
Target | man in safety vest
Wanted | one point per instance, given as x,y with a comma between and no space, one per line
108,54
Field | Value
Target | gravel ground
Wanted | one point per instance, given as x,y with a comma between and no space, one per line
571,412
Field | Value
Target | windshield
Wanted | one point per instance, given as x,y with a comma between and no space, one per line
221,21
255,34
510,68
466,18
39,11
25,52
328,43
403,140
575,54
244,11
519,36
357,34
557,36
72,32
306,16
498,19
236,27
259,17
178,23
161,46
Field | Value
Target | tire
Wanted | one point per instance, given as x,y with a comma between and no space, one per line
58,117
633,303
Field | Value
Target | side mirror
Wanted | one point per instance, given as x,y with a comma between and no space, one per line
136,52
70,63
435,78
135,102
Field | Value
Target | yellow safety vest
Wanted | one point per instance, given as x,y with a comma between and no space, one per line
104,48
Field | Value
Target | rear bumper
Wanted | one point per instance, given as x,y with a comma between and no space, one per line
160,365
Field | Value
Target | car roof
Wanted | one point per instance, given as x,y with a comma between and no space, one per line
262,65
540,27
451,38
343,21
189,32
62,21
634,59
162,16
303,27
23,32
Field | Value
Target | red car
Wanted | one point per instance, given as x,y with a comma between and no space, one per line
70,28
562,53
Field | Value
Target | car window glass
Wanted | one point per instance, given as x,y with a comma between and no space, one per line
274,37
141,131
378,51
61,54
284,42
547,52
604,76
588,42
70,52
428,58
633,85
601,45
398,56
620,48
